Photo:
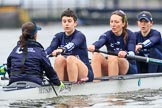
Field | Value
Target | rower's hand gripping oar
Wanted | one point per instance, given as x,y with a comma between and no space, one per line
134,57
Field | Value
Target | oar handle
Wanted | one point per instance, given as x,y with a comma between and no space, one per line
134,57
138,58
58,53
109,52
50,55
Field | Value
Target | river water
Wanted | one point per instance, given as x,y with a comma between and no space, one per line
141,99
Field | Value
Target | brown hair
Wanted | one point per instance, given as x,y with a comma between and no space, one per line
69,13
124,20
28,32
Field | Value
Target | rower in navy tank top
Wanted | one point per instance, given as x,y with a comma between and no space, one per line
120,40
148,43
73,63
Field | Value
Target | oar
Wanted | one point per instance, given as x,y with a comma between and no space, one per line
58,53
52,85
134,57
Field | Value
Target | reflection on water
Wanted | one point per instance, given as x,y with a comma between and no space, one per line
142,98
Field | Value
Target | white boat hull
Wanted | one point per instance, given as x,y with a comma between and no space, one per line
111,85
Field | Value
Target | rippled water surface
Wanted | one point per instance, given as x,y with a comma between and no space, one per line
141,99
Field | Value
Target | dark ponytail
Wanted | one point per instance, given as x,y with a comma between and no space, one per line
29,30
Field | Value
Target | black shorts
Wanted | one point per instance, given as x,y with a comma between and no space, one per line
132,69
90,74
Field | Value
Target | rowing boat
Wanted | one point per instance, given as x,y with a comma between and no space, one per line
104,85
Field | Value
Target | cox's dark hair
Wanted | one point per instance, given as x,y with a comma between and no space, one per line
28,32
69,13
124,20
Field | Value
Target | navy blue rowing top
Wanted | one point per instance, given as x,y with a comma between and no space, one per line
116,43
75,44
151,40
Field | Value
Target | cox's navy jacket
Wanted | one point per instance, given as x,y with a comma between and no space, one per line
35,64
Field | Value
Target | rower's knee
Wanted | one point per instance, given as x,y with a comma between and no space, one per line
97,57
59,60
71,59
113,59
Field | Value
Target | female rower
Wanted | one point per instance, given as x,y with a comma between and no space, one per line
148,42
120,40
73,64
